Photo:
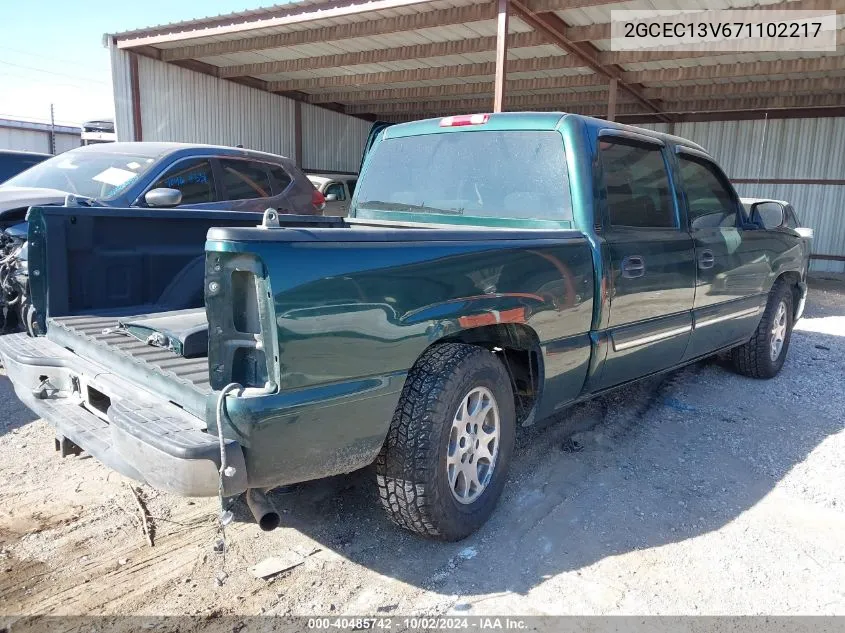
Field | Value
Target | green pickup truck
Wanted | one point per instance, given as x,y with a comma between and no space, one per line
493,270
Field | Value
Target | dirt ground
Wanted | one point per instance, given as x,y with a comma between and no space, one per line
698,493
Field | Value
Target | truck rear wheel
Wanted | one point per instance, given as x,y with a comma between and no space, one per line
445,460
765,353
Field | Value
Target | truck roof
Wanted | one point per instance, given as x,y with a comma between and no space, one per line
531,121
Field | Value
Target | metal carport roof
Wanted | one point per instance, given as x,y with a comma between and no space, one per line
405,59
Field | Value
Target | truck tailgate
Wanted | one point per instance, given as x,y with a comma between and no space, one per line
129,428
184,381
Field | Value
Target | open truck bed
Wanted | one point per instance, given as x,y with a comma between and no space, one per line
104,390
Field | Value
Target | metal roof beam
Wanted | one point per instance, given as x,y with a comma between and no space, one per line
694,96
540,6
743,115
367,28
381,55
587,109
830,63
484,69
450,90
500,84
555,28
574,103
760,104
282,16
482,104
789,87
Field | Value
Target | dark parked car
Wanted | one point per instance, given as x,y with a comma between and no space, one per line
13,162
134,174
141,175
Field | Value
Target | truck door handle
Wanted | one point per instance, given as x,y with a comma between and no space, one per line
706,260
633,266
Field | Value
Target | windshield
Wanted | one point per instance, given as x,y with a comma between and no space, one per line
519,175
94,175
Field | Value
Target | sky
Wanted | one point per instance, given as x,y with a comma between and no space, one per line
51,51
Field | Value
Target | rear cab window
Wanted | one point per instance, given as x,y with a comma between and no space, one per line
514,175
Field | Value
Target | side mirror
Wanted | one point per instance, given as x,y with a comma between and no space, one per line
331,197
768,214
805,232
163,197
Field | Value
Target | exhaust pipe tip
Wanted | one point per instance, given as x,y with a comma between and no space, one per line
263,510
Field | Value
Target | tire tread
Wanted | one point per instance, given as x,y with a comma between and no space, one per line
752,358
405,467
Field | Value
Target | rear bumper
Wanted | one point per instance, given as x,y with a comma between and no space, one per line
132,431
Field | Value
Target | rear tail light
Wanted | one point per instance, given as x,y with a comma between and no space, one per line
318,200
464,119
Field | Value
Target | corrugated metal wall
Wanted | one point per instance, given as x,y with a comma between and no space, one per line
181,105
121,85
791,149
655,127
331,140
36,140
64,142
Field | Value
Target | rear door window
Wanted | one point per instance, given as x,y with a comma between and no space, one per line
193,177
244,179
636,184
504,174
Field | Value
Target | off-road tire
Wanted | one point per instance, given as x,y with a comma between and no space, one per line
411,467
753,358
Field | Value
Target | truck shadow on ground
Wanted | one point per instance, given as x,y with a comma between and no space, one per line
654,463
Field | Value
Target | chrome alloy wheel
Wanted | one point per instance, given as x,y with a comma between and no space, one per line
473,445
778,332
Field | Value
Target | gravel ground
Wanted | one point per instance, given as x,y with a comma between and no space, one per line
698,493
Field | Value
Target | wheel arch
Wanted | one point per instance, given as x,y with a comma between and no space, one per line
517,346
792,279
